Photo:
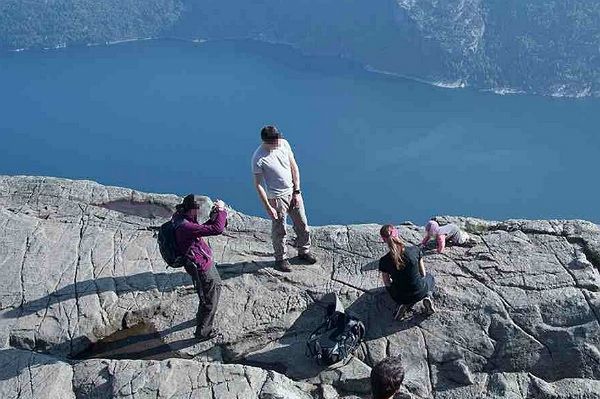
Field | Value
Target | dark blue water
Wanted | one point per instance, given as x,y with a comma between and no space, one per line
167,116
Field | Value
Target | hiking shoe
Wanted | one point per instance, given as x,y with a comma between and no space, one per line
205,337
428,303
401,312
470,243
283,265
308,258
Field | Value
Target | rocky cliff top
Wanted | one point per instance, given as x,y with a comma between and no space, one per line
88,308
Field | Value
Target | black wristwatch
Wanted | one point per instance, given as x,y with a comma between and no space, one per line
297,192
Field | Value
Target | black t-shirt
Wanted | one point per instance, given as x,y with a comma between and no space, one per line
408,285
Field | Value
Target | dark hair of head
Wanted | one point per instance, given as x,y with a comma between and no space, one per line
270,134
387,377
189,202
395,245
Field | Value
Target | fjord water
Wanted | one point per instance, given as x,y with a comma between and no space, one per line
171,116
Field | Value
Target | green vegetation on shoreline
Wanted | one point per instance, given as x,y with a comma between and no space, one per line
45,24
544,47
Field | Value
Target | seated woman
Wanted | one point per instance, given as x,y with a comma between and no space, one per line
403,273
449,234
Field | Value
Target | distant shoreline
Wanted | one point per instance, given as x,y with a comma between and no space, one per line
457,84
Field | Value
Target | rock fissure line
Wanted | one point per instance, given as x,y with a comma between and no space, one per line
428,360
25,251
504,303
350,285
75,277
342,251
453,342
475,299
105,318
576,285
482,236
592,257
31,385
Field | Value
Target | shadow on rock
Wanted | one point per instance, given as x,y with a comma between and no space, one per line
147,281
288,354
232,270
13,362
163,282
142,341
376,310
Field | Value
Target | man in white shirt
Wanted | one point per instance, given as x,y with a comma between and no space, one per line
273,164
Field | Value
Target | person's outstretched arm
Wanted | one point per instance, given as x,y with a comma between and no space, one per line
212,227
262,195
441,243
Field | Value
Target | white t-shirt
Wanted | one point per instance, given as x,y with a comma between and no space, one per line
275,167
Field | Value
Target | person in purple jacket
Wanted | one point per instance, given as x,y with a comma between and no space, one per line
197,255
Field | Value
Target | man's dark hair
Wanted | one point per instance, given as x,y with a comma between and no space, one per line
387,377
270,134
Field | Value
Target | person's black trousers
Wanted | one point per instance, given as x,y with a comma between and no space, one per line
208,287
400,298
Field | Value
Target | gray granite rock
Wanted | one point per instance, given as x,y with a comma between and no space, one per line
518,313
179,378
29,375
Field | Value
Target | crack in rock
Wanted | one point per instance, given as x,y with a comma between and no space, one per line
501,305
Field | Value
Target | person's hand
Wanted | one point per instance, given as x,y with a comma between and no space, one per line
272,213
220,205
296,201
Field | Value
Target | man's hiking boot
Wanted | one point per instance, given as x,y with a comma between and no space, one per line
308,258
205,337
428,303
283,265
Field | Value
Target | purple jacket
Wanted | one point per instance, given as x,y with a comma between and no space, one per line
189,233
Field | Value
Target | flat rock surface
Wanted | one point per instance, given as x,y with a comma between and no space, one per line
517,314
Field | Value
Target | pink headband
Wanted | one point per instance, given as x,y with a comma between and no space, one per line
393,233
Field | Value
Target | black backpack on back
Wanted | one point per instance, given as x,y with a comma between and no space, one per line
335,339
167,245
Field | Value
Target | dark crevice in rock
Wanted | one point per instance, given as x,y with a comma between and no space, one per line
592,256
140,342
450,342
148,210
593,308
350,285
77,267
577,285
428,361
278,367
25,252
